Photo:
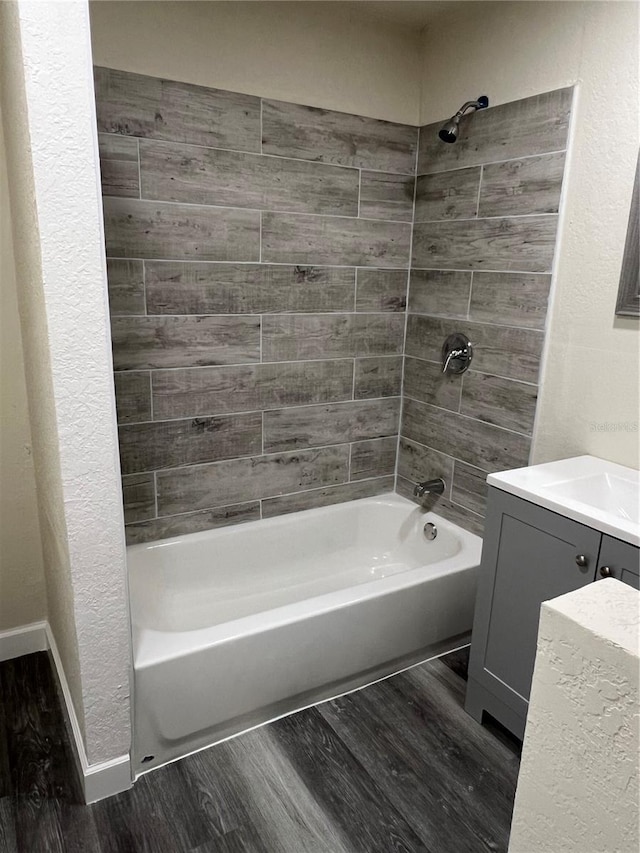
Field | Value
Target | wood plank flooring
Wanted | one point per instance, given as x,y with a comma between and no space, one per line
397,766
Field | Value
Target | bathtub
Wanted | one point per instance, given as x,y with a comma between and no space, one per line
237,626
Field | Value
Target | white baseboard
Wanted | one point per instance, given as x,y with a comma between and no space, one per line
98,780
23,641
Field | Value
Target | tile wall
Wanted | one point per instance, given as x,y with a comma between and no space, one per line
486,215
257,262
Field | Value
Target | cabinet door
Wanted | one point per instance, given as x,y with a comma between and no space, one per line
538,558
622,559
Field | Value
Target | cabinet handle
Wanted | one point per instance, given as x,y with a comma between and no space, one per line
605,572
581,560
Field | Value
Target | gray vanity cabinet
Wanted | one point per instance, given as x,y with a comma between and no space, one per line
529,555
619,560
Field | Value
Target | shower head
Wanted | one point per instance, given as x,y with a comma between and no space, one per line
449,131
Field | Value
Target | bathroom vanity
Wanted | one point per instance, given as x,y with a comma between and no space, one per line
550,529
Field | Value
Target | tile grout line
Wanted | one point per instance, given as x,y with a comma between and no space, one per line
477,216
494,162
470,418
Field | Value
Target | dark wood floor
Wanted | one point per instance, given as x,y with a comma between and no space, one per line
397,766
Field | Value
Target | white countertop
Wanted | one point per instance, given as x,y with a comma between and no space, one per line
597,493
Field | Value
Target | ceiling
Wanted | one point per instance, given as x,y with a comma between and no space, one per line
411,13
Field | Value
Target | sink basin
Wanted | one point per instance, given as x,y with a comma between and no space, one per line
594,492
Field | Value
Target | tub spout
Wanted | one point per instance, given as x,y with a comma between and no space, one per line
429,487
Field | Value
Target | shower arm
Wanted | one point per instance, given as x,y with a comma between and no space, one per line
470,105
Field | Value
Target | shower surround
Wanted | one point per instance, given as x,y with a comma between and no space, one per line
258,259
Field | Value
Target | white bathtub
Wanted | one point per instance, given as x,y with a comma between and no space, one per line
236,626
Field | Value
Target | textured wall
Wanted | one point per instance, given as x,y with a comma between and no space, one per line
578,783
483,246
590,392
257,260
53,169
22,590
316,53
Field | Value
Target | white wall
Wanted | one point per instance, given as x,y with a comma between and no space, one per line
511,50
578,782
22,589
320,54
51,141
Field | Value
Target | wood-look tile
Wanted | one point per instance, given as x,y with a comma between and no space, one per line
384,195
293,130
199,175
138,497
425,381
170,444
475,442
511,299
503,402
535,125
133,396
521,187
126,287
499,350
148,342
307,336
240,480
459,515
375,458
191,522
119,165
378,377
523,244
206,288
448,195
147,229
381,290
470,487
150,107
441,292
326,496
287,238
417,463
330,423
216,390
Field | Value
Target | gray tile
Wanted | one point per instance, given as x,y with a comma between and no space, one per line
441,292
191,522
482,445
287,238
447,509
235,179
499,350
307,336
241,480
133,396
417,463
137,105
326,496
171,444
148,342
378,377
330,423
375,458
147,229
523,244
292,130
521,187
381,290
206,288
384,195
535,125
513,299
448,195
126,287
425,381
138,497
215,390
119,165
499,401
470,487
